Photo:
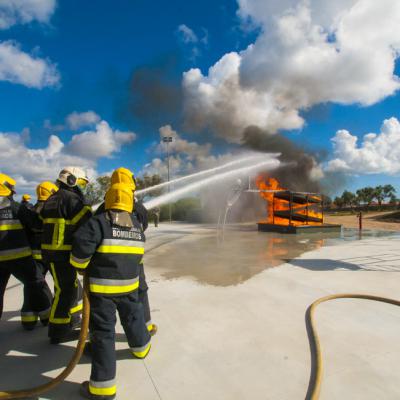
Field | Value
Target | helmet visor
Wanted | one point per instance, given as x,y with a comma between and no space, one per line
82,183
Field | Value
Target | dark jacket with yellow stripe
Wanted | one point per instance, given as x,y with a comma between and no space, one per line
13,241
30,219
62,214
111,253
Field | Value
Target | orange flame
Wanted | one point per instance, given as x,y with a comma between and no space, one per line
282,211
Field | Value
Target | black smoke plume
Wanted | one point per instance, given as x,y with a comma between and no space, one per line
155,94
296,174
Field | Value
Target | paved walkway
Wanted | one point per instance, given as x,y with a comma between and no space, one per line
242,341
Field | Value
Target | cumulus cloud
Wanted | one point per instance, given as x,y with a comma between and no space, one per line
19,67
101,142
307,52
185,156
377,153
181,146
14,12
78,120
29,166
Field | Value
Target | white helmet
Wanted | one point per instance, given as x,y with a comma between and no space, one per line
73,176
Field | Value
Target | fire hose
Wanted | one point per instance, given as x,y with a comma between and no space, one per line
314,386
19,394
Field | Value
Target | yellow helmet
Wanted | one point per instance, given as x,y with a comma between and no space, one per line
125,176
26,197
119,197
8,182
4,191
45,189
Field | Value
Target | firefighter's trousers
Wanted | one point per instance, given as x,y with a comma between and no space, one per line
37,295
144,298
102,332
67,303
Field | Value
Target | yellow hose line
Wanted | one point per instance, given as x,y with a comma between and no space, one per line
36,391
314,386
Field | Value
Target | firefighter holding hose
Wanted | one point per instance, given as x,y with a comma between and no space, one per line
62,214
109,248
126,177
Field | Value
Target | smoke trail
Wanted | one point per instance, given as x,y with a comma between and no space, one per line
192,187
254,157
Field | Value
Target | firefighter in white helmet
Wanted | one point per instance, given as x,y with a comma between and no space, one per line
62,214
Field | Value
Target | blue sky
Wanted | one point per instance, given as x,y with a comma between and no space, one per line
91,50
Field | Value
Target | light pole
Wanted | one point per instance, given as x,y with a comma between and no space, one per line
168,139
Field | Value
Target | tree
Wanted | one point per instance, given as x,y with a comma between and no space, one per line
326,201
389,192
393,200
149,181
348,198
366,195
379,195
338,202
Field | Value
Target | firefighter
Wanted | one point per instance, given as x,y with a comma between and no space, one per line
25,201
33,224
110,247
16,259
126,177
62,214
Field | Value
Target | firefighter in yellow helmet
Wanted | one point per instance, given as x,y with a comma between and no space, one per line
26,201
16,259
109,248
125,176
33,224
62,214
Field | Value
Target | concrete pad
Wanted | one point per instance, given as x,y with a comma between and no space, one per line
244,338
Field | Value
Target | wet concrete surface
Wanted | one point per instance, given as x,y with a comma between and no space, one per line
243,341
232,256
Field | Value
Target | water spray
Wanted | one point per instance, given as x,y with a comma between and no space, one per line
270,164
252,158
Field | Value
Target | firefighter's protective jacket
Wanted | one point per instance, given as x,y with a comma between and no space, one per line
110,252
13,241
33,225
62,214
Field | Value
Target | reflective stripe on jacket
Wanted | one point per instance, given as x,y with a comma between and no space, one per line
110,253
13,241
62,214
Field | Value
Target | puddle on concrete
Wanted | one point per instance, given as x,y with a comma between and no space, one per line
243,253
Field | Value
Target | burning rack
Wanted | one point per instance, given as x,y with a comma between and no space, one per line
294,212
304,208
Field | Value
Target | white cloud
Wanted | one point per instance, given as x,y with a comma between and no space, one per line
77,120
14,12
308,52
30,166
19,67
101,142
181,146
186,34
186,157
378,153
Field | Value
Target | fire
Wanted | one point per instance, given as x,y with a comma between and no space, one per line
289,208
